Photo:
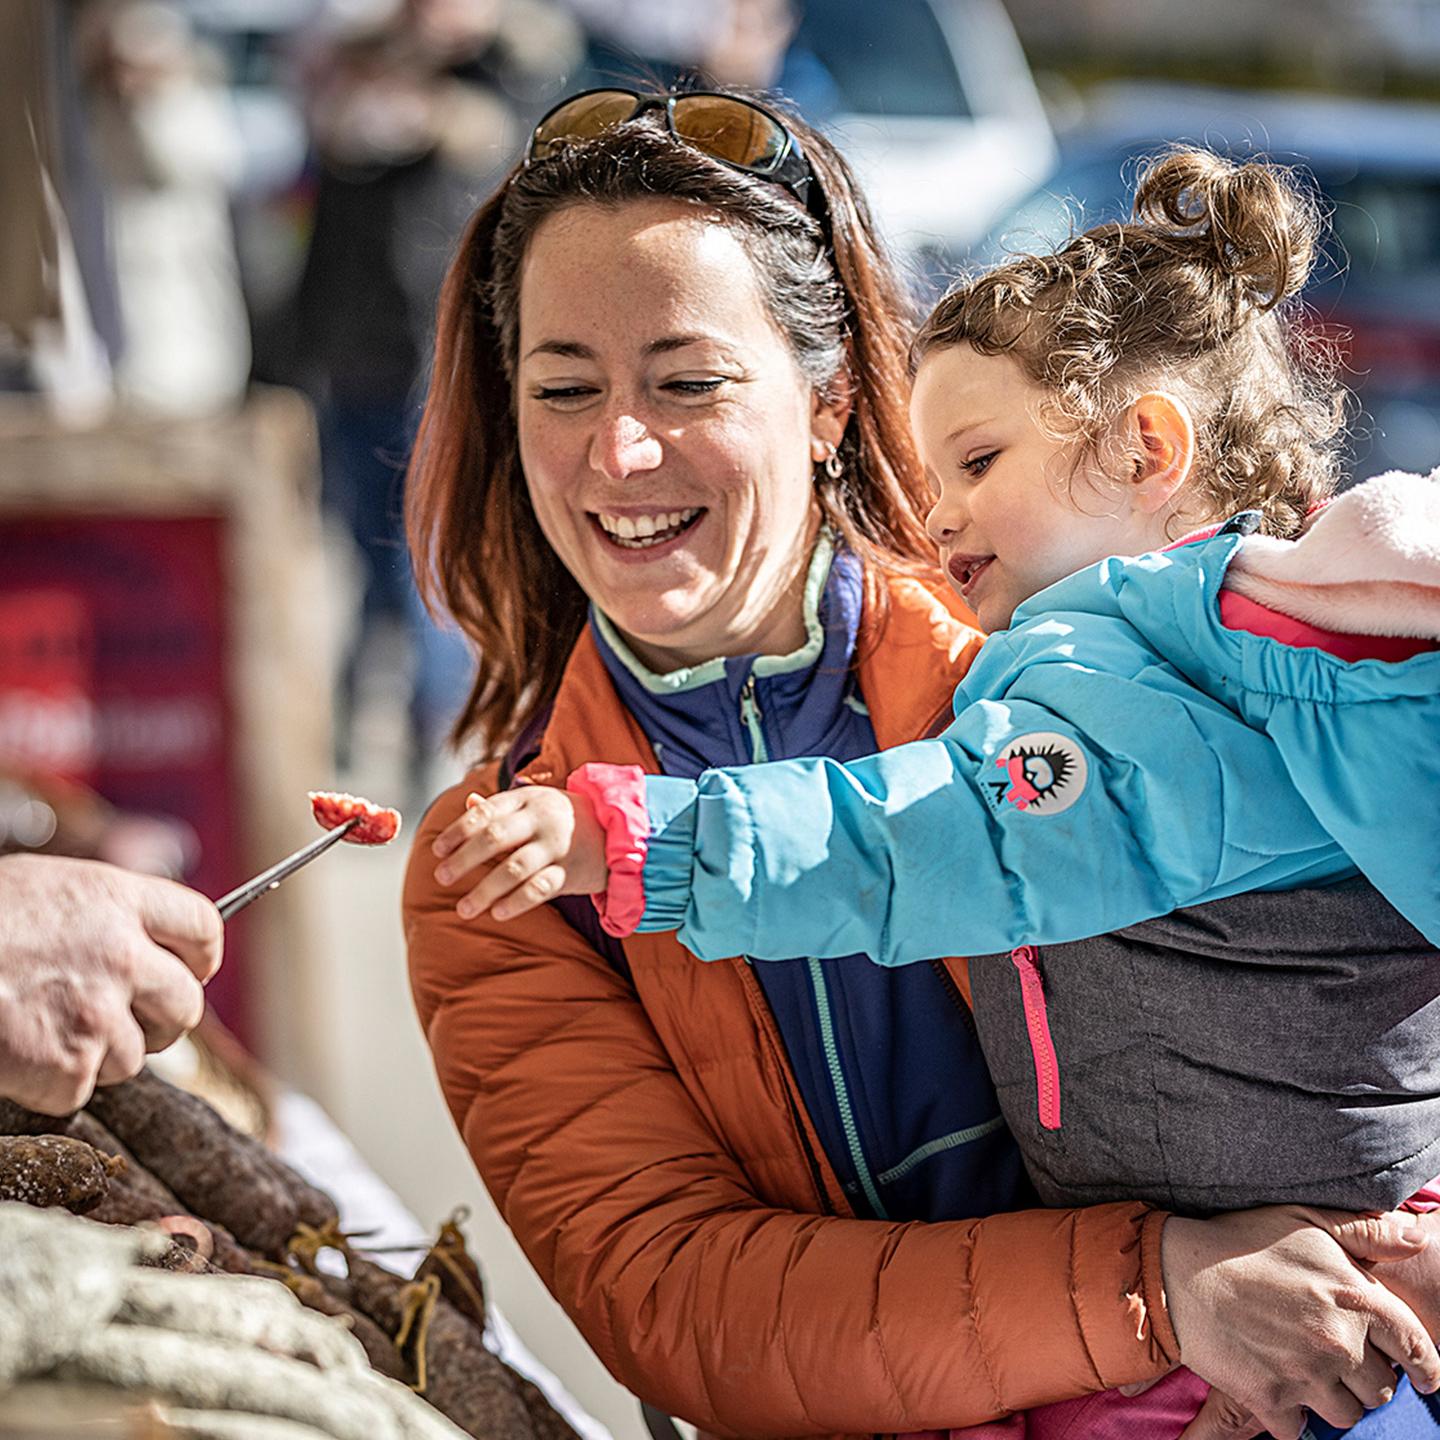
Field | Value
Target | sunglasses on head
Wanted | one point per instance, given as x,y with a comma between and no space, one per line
738,133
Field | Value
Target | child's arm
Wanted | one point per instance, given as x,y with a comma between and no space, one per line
1026,822
630,1195
1075,803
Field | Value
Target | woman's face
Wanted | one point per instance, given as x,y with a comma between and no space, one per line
666,431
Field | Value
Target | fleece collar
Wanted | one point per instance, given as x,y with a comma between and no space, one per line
1368,564
697,677
719,712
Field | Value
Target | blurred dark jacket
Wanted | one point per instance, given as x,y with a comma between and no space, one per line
405,146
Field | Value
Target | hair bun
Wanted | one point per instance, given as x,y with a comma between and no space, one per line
1251,220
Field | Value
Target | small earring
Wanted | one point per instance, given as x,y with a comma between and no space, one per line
834,465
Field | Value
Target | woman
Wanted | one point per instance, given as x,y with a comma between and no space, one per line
663,481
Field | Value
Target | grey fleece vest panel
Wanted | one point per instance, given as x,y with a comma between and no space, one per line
1269,1047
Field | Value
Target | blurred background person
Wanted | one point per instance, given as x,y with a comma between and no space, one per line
757,48
411,119
748,43
59,319
164,137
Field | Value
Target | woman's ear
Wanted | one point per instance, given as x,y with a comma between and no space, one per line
829,414
1163,435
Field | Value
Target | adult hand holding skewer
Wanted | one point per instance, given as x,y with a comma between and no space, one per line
98,966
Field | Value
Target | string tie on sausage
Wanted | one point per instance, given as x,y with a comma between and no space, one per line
417,1305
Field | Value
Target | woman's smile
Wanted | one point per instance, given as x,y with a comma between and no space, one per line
646,534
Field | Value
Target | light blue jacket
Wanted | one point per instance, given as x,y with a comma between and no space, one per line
1117,755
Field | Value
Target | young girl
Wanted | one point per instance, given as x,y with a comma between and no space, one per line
1194,792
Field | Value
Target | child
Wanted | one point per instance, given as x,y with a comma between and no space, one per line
1194,792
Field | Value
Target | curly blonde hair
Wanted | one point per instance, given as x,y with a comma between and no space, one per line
1195,294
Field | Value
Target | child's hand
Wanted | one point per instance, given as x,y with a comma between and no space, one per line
539,842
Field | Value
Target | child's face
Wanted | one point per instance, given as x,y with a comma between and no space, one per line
1013,510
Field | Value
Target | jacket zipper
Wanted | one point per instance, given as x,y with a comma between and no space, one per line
752,719
842,1091
952,989
817,1175
1042,1047
828,1195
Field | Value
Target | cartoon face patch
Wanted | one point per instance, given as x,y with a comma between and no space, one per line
1043,774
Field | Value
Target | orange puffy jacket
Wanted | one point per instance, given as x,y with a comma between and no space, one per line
645,1141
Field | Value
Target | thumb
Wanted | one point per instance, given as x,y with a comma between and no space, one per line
1222,1418
1394,1235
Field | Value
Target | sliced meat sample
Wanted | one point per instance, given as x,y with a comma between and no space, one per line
378,823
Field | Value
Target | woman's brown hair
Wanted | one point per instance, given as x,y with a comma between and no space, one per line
477,548
1196,293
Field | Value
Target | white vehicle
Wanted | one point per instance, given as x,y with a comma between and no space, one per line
937,111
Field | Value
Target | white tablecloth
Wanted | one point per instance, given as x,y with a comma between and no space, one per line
309,1140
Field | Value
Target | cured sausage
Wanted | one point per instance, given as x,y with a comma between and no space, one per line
216,1172
48,1170
462,1379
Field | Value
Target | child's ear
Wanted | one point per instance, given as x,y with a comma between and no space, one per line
1164,437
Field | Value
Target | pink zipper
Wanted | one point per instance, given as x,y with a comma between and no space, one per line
1042,1047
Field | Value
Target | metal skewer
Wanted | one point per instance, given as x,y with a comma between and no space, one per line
267,880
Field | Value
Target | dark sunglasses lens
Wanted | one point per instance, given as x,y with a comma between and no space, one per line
583,118
731,131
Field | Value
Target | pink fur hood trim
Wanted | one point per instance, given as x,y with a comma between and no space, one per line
1368,564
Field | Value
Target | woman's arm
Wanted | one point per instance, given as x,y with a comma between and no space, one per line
1266,1309
698,1295
750,1319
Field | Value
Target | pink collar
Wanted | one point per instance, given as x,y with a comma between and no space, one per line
1239,612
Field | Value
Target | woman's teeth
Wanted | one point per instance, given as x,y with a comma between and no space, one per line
637,532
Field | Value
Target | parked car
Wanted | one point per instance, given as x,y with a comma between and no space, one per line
932,102
1375,167
936,109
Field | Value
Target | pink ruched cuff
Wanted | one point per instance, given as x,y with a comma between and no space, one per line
1425,1199
618,794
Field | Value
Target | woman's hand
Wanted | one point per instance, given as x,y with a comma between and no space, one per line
539,842
1416,1278
1271,1307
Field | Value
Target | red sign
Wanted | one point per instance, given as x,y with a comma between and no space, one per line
113,670
47,712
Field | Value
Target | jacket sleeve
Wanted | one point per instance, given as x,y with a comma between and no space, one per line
1067,802
699,1297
